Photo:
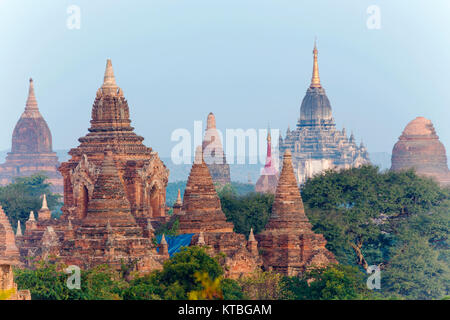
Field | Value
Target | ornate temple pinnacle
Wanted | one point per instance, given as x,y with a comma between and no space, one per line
109,81
211,122
31,100
44,202
315,82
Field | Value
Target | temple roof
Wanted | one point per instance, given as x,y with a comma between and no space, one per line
419,148
420,126
200,194
31,133
9,254
287,210
109,201
315,108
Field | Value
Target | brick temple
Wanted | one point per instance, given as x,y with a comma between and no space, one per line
31,149
141,172
287,243
114,197
114,189
316,144
419,148
9,258
202,215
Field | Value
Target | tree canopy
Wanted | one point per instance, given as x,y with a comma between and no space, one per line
25,195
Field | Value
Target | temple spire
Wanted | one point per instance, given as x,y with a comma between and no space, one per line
19,229
251,236
179,201
31,100
315,82
211,121
109,81
44,203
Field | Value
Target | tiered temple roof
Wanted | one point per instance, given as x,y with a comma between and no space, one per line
9,257
31,150
288,244
202,215
316,144
141,172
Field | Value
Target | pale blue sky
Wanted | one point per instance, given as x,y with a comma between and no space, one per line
248,61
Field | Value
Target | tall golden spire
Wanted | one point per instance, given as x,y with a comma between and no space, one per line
315,82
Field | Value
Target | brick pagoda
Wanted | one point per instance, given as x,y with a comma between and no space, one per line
141,172
288,244
31,150
9,258
202,215
114,189
419,148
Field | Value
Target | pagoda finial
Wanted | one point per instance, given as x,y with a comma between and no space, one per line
211,121
201,239
19,229
251,237
44,203
163,239
109,81
315,82
31,218
31,100
179,201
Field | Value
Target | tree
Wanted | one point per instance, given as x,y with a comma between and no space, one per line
362,207
397,220
25,195
263,285
334,282
183,266
47,280
247,211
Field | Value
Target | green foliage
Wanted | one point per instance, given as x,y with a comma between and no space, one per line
47,281
169,229
25,195
238,188
172,191
263,286
232,290
335,282
247,211
415,270
388,218
150,287
183,265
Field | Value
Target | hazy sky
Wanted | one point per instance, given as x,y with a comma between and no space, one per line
248,61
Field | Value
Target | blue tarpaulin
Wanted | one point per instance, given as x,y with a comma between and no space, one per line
176,242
